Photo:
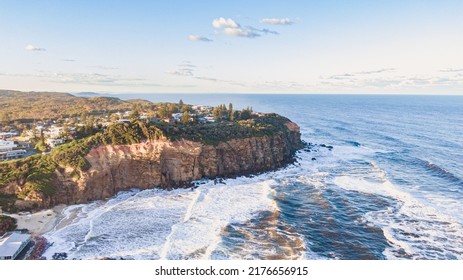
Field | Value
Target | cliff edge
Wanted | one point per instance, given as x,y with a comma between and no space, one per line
172,164
161,163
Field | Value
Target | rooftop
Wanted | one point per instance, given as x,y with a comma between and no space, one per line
11,243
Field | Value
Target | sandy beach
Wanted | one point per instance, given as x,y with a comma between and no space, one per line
40,222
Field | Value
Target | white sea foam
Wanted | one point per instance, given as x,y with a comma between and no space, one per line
413,229
154,224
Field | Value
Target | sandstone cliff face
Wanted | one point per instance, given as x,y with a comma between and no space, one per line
166,164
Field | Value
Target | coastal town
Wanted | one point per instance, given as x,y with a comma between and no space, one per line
21,138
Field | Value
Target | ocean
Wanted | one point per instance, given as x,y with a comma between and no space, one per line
390,188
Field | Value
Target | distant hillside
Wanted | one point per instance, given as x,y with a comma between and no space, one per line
50,105
86,94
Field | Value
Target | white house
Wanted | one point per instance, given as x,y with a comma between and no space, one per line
53,132
6,135
8,150
12,243
177,116
201,107
53,142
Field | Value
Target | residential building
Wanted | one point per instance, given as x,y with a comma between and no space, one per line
177,116
12,244
53,142
6,135
8,150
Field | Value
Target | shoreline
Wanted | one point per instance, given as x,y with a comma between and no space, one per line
40,222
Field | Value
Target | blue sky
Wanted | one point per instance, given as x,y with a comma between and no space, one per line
392,47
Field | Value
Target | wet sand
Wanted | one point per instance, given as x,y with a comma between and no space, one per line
40,222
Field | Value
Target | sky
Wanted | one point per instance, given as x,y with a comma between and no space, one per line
377,47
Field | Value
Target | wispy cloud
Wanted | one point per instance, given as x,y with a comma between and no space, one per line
186,68
361,73
103,67
367,79
181,72
31,48
452,70
230,27
69,60
197,38
263,31
187,64
94,79
376,71
277,21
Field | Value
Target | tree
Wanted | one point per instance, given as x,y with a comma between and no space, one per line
231,116
83,117
180,103
185,117
41,146
172,108
134,115
163,111
5,117
185,108
246,113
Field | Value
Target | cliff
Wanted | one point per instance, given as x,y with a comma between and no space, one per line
147,157
171,164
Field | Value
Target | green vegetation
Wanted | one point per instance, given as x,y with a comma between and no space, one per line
18,105
214,133
35,175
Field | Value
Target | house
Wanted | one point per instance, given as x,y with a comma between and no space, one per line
209,119
123,121
12,244
54,132
177,116
53,142
201,107
6,135
8,150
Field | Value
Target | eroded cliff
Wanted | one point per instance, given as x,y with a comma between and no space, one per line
167,164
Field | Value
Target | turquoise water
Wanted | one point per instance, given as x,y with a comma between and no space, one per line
391,188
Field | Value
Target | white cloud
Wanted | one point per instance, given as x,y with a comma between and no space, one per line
197,38
277,21
230,27
263,31
31,48
181,72
103,67
239,32
376,71
224,23
452,70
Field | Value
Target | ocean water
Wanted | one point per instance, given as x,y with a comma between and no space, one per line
390,188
